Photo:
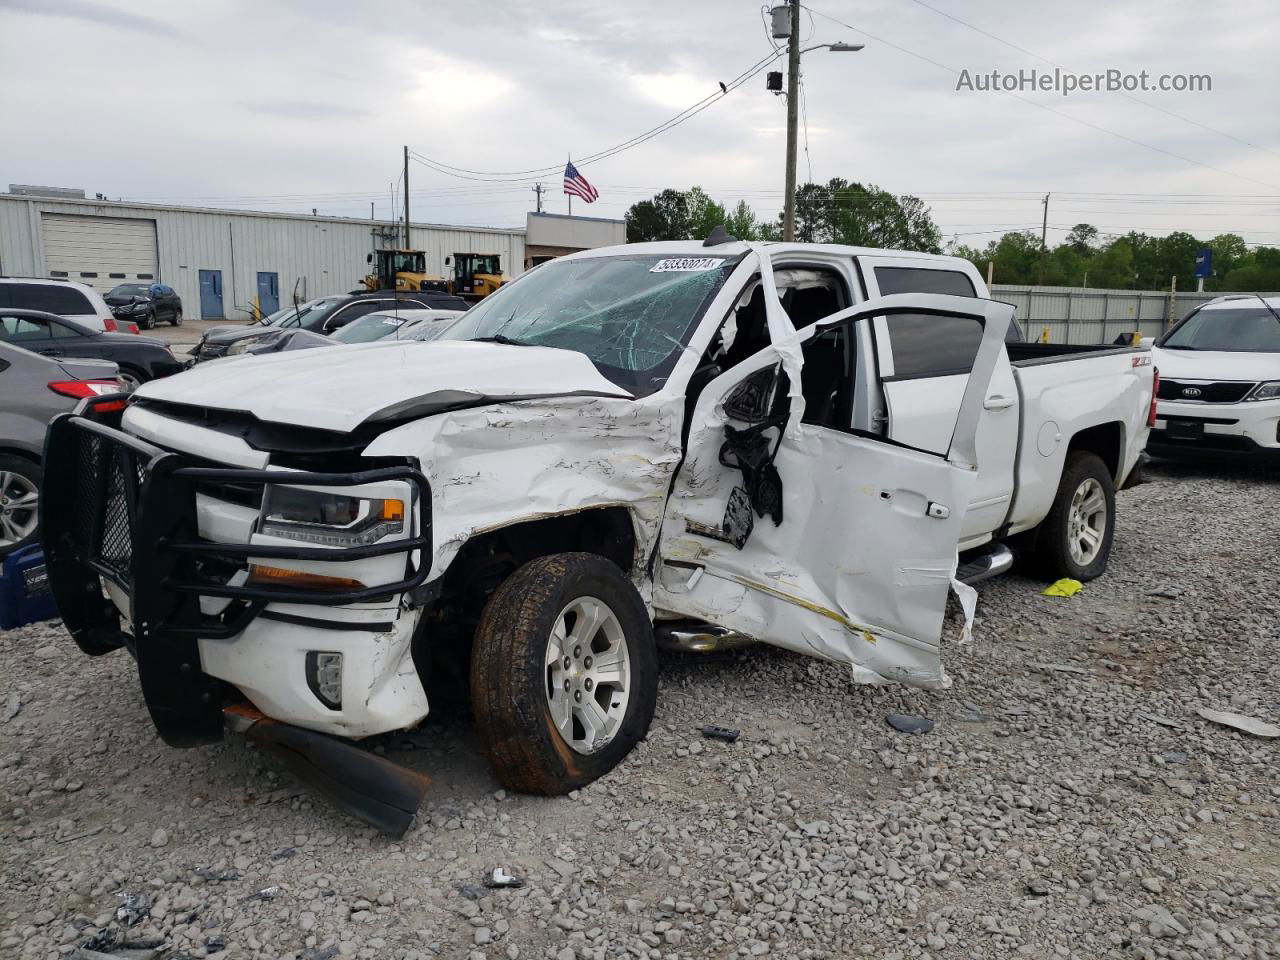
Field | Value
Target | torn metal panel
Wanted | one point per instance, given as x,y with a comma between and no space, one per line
503,464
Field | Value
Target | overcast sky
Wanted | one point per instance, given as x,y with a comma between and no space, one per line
293,105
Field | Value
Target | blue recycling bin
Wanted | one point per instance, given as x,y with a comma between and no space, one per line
25,596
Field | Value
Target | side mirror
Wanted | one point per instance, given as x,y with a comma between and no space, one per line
448,260
368,258
751,401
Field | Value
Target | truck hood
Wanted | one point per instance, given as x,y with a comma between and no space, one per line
340,389
1215,365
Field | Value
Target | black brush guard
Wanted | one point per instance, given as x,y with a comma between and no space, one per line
118,508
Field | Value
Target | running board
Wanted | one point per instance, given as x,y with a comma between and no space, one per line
991,564
365,785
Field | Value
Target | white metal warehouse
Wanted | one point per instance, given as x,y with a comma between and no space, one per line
223,261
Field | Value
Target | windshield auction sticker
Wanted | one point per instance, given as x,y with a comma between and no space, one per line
686,264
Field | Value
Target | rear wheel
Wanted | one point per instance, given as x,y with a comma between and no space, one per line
177,317
563,673
19,503
131,378
1075,538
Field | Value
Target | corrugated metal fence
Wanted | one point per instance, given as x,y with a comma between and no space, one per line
1076,315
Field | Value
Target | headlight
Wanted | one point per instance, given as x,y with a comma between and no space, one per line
1265,391
242,346
330,519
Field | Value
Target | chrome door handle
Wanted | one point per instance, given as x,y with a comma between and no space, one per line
997,402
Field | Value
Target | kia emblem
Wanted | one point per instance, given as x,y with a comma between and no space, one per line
1191,391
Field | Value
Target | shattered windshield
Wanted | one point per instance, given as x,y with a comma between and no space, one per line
630,315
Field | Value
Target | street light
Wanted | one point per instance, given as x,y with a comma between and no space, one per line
793,93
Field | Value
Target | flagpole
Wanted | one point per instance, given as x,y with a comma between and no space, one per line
569,195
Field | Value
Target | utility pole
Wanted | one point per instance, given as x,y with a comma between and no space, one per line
793,116
538,188
1044,235
408,245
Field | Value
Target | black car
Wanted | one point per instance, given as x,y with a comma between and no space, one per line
323,315
140,358
145,304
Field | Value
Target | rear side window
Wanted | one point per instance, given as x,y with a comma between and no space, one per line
928,346
916,280
50,297
20,329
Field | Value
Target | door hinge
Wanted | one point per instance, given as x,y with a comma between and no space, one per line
938,511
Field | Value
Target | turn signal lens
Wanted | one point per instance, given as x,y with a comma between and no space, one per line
284,577
1155,392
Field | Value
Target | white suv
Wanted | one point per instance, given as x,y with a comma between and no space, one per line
1220,381
65,298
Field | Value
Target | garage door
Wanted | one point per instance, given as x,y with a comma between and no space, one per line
100,251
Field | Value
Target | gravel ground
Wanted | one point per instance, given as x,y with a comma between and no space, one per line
1069,801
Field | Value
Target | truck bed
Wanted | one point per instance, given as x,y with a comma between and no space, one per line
1033,354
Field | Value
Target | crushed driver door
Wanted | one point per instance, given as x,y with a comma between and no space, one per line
814,536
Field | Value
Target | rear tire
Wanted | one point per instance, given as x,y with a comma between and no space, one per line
1074,540
131,377
177,318
19,515
565,644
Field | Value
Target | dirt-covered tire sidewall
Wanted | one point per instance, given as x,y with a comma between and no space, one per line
1052,550
508,673
32,471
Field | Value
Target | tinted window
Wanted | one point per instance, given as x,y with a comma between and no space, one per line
916,280
50,297
20,329
927,346
1229,329
129,290
348,313
65,331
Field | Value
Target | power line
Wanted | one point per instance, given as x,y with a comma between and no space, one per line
524,175
1042,106
1126,95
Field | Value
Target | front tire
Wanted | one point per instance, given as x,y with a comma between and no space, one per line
564,673
19,503
1075,538
146,321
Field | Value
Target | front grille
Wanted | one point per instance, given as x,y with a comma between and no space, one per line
106,503
1226,391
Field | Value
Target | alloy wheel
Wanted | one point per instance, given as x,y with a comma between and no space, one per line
1087,521
19,508
588,672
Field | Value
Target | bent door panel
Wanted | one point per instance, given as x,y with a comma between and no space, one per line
859,566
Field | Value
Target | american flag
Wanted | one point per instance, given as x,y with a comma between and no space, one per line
576,184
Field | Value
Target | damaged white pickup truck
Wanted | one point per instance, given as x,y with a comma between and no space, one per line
791,443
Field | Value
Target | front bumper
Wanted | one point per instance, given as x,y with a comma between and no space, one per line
125,517
1241,430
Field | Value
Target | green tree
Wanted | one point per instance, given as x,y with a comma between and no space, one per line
1261,274
665,217
741,222
1082,237
704,214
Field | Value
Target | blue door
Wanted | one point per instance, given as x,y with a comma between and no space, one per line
268,292
211,295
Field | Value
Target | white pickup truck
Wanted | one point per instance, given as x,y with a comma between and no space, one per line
789,443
